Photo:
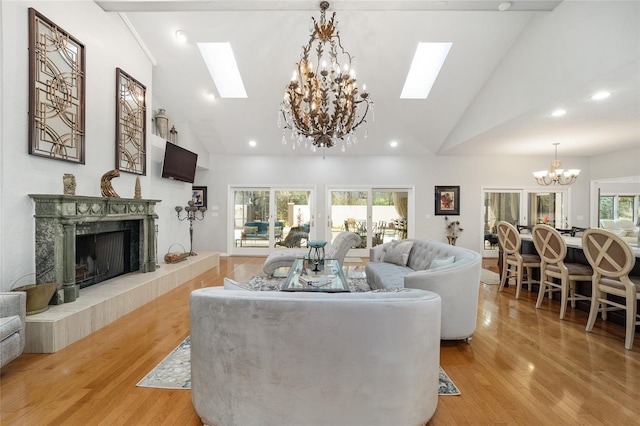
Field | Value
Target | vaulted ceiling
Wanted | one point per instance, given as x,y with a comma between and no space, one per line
505,74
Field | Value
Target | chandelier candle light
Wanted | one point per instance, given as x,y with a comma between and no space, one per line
191,211
556,174
322,101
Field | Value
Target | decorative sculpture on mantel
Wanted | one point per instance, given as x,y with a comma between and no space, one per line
137,191
105,184
191,209
69,184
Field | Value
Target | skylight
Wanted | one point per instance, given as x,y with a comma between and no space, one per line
223,68
424,70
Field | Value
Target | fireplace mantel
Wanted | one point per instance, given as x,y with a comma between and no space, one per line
59,218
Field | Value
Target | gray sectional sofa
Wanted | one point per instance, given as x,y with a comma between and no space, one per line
278,358
13,313
450,271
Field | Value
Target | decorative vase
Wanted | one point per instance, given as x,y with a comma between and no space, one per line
69,184
452,239
162,124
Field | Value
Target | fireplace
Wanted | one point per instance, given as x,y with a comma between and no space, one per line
81,241
105,255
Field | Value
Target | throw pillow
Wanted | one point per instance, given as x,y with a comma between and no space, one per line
398,252
250,230
439,262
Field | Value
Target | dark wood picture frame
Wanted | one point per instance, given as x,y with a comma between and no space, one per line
56,92
131,119
447,200
199,196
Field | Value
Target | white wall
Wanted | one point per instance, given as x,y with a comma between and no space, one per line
108,45
423,173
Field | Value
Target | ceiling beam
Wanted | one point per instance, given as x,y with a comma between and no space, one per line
302,5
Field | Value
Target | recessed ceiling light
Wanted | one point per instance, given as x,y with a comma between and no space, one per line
223,68
181,36
600,95
209,94
252,144
393,144
505,5
559,112
425,67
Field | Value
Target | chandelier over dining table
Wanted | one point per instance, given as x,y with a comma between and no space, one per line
556,174
322,103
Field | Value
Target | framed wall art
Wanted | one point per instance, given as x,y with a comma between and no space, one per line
447,200
56,92
199,196
131,118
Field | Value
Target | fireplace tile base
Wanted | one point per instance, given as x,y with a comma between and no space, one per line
103,303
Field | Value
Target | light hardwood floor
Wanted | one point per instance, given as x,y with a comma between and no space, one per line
524,366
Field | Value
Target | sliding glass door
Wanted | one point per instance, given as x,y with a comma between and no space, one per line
267,219
378,215
499,205
293,218
521,207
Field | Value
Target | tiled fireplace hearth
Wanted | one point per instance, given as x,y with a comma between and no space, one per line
61,219
63,224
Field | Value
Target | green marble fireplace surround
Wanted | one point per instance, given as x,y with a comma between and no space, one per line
60,218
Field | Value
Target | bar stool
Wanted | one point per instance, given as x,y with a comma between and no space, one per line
553,250
612,259
513,262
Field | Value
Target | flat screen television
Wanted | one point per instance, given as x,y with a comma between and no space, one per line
179,163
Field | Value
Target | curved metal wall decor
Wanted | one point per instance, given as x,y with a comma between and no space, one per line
56,91
131,118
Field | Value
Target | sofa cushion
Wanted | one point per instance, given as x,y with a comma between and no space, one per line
249,230
607,223
9,325
398,252
385,275
440,262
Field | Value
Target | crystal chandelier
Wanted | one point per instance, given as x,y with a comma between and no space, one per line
322,101
556,174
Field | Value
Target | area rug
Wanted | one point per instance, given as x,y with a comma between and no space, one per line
489,277
174,372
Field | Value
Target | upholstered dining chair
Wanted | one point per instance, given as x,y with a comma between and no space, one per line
612,259
552,250
515,263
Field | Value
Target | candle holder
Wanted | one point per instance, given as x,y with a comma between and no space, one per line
191,210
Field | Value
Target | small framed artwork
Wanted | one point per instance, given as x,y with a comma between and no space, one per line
199,196
447,200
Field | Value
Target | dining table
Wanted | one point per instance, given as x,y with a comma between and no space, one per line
575,254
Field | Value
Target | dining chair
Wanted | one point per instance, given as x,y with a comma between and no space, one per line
612,259
515,263
552,250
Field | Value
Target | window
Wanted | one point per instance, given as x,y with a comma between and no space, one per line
618,206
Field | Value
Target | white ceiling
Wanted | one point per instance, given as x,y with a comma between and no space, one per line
504,75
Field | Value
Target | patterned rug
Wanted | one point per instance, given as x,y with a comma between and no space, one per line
489,277
174,372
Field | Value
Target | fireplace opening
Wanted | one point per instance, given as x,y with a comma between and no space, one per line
103,256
